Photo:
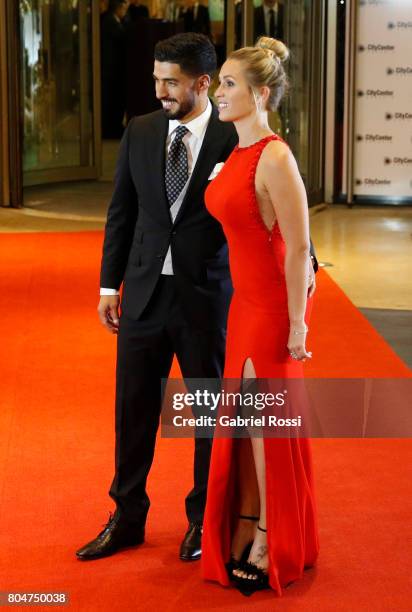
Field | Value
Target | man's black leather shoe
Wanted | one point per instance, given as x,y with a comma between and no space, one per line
191,547
117,534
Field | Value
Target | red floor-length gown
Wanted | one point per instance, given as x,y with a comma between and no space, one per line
258,328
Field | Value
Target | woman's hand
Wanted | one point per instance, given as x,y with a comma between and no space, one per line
296,342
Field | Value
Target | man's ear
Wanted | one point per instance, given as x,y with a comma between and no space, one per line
203,82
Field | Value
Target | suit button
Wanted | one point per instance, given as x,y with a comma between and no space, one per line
174,233
160,256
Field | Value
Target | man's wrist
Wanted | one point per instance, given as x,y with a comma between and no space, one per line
107,291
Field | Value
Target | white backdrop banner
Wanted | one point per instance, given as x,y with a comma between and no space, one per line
383,104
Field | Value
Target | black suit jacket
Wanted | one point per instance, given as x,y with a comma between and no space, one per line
260,29
112,48
202,22
139,229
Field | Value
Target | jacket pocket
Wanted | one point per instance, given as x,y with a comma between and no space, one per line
135,256
138,237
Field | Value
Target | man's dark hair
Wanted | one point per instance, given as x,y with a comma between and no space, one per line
194,53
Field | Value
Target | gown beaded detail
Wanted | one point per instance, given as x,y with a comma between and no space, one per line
258,329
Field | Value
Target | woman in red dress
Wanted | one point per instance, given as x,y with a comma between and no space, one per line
260,524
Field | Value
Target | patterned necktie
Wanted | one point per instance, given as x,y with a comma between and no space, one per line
177,168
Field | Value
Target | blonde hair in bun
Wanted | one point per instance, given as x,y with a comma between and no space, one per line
274,46
263,67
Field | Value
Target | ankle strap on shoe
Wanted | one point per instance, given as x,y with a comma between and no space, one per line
261,529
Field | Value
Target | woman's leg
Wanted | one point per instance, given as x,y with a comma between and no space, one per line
254,490
248,495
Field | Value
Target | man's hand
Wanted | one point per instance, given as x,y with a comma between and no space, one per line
108,310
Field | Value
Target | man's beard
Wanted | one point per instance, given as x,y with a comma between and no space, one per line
183,109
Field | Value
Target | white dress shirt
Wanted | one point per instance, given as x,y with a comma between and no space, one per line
193,141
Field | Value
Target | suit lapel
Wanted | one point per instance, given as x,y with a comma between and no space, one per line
158,166
208,156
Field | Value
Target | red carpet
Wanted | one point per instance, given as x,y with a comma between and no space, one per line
56,456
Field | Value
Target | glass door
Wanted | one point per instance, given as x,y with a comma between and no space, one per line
301,26
4,162
10,167
304,33
59,95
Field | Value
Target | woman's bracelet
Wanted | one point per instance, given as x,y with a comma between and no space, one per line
299,333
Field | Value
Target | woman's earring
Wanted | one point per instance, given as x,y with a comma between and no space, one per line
257,101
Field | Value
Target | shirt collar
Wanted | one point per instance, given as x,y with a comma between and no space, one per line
268,8
196,126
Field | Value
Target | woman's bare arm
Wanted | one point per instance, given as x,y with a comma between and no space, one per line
280,175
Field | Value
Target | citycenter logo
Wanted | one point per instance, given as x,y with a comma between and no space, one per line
372,181
376,47
400,161
401,116
402,70
374,138
374,93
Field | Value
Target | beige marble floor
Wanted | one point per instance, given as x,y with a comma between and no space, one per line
371,252
370,248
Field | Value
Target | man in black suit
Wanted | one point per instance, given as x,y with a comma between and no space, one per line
196,19
113,68
172,258
269,19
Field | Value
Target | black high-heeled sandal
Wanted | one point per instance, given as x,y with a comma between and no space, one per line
233,563
247,586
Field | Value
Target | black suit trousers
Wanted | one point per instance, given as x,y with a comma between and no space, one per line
145,350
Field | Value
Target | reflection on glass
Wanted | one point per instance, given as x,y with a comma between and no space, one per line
295,108
56,91
289,22
269,19
217,27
